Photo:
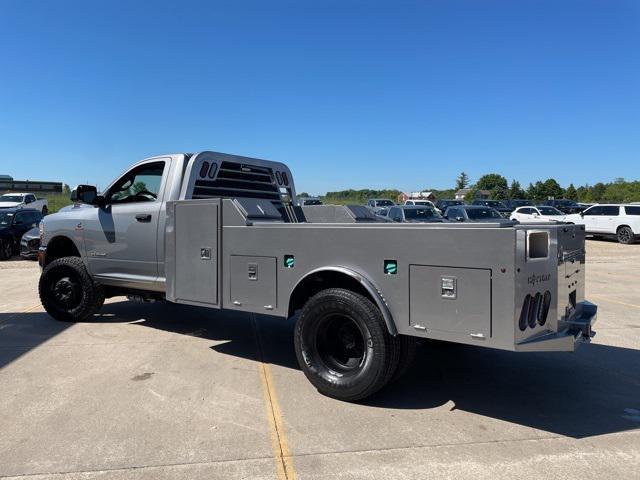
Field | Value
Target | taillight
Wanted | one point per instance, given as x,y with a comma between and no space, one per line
535,310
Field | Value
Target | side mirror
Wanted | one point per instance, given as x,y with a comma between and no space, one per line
85,194
582,214
459,219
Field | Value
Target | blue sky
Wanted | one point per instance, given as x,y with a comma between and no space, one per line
349,94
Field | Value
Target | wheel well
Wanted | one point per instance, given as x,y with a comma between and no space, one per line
59,247
339,277
622,226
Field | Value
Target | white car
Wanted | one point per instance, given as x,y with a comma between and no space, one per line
621,221
540,214
423,203
24,200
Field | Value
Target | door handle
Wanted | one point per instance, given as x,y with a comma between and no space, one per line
144,218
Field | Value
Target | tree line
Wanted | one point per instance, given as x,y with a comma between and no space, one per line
499,188
618,191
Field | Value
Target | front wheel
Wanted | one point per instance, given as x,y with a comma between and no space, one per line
45,211
343,345
625,235
67,291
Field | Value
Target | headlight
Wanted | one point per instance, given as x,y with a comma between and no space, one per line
41,229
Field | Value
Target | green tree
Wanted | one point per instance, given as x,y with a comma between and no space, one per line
551,189
516,191
462,181
535,191
303,195
598,191
66,190
571,193
583,194
495,183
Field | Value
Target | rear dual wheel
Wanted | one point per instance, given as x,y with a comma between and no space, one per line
343,346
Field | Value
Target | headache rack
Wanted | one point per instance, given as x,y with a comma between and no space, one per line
218,175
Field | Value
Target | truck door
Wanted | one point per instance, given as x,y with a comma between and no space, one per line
121,237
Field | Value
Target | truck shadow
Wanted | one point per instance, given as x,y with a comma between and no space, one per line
594,391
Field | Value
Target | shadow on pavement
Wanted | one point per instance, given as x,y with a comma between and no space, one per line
22,332
591,392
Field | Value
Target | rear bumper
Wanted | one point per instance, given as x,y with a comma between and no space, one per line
578,329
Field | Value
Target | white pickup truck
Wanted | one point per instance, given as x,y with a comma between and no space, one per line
24,200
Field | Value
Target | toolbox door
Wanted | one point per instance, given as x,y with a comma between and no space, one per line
196,233
450,300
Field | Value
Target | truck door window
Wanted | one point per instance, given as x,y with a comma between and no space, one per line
141,184
611,210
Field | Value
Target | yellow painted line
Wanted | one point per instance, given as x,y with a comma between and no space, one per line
279,443
30,309
607,299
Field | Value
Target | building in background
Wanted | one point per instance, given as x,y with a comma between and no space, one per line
9,184
480,194
403,197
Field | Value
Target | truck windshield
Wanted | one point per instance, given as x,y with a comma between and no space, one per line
417,213
566,203
477,213
5,219
11,198
384,203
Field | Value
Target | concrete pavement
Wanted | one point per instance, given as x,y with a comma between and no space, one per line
165,391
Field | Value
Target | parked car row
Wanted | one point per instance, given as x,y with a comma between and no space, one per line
14,224
619,221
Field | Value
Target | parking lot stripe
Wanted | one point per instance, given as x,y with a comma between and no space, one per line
279,443
608,299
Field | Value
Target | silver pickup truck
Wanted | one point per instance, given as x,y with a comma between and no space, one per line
224,232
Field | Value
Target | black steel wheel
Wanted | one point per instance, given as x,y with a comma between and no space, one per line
67,291
343,346
625,235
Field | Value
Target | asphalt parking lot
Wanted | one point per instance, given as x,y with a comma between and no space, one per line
161,391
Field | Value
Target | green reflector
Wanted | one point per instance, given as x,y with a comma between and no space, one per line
390,267
289,261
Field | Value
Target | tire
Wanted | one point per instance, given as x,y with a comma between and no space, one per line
67,292
343,346
625,235
45,210
6,249
408,350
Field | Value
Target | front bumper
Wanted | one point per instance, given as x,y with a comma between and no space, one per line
576,330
